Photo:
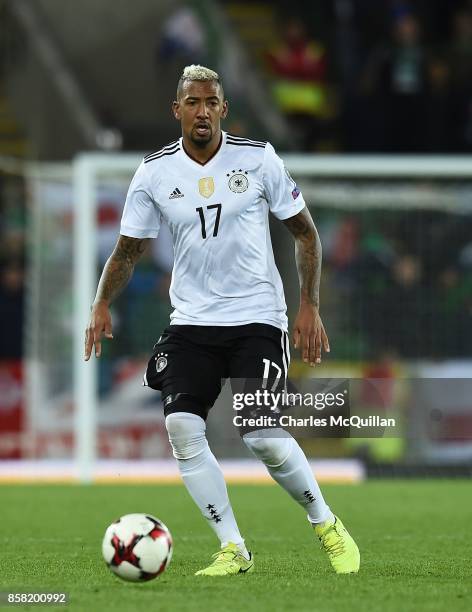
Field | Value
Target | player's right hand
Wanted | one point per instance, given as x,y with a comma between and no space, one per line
98,327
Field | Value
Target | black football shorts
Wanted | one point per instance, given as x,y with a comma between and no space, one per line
190,363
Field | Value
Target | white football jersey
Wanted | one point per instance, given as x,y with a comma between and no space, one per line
224,270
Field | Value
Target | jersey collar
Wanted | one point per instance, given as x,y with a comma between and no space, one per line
195,161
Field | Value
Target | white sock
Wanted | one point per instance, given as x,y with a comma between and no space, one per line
202,475
288,465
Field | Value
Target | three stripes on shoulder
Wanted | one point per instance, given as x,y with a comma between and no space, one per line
169,149
244,142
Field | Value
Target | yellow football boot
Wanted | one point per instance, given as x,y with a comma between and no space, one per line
341,549
228,561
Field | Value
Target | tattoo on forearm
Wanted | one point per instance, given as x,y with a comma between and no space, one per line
119,267
308,255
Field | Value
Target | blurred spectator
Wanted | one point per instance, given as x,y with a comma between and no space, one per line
11,311
397,78
453,313
298,65
183,37
372,278
406,303
460,61
348,45
345,244
13,245
461,50
12,255
438,111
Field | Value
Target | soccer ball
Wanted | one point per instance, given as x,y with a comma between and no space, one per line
137,547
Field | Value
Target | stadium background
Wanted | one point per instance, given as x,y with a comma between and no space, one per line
344,77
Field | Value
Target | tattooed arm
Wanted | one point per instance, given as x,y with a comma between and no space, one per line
115,276
308,331
307,256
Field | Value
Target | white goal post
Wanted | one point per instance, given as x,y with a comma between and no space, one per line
87,167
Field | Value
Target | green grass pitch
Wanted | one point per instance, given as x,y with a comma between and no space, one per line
414,537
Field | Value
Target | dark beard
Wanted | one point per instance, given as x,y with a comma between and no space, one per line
201,143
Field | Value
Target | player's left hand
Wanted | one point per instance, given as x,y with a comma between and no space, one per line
309,334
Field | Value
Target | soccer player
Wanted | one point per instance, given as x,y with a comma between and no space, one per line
215,191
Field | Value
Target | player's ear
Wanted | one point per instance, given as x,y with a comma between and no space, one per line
176,109
224,109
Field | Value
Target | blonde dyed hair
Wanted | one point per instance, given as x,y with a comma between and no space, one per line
195,72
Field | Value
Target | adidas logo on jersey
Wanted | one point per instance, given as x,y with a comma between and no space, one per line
176,194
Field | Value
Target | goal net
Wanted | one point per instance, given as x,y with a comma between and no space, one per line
396,298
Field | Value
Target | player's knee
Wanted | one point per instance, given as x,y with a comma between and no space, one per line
186,433
272,450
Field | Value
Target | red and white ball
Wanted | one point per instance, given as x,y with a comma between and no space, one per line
137,547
